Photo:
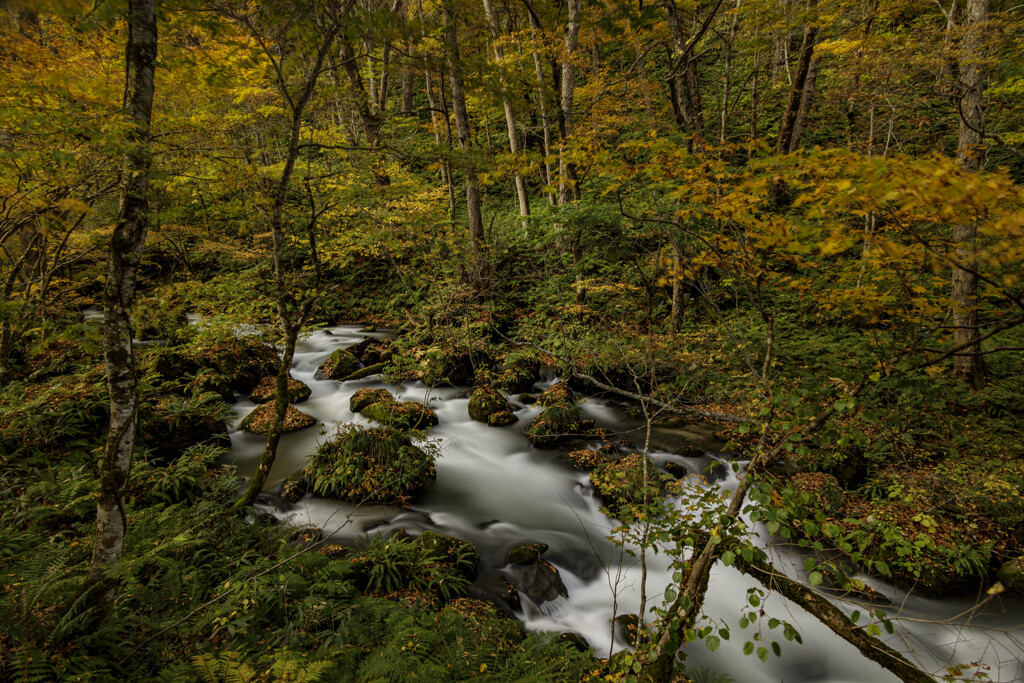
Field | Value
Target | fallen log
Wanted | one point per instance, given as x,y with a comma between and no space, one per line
364,372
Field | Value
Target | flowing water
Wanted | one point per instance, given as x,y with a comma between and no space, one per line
496,491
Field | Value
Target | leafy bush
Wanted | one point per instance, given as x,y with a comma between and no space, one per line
376,464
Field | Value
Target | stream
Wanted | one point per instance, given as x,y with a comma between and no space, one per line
496,491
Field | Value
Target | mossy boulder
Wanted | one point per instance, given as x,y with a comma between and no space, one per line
294,489
620,483
690,451
265,390
241,361
372,465
444,366
527,553
558,422
518,376
556,394
585,458
540,581
1011,575
402,415
169,425
339,365
454,553
365,397
487,401
502,419
260,420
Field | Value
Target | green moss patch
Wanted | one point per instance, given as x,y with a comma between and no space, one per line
365,397
339,365
486,402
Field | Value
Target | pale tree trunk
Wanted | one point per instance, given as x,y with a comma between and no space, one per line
119,292
566,170
543,103
678,302
727,73
291,314
446,167
365,103
510,119
473,210
968,365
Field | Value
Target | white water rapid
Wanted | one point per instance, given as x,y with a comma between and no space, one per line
496,491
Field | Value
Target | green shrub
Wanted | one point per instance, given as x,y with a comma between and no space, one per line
376,464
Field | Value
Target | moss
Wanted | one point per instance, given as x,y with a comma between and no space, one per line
454,553
264,391
502,419
339,365
558,422
365,397
557,393
373,465
485,402
243,361
260,420
519,376
527,553
404,415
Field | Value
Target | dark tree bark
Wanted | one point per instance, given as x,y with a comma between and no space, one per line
370,117
800,92
968,366
118,295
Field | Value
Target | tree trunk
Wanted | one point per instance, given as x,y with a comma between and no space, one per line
967,365
678,304
369,116
510,120
544,116
685,90
474,217
290,316
806,98
118,294
796,92
727,73
566,170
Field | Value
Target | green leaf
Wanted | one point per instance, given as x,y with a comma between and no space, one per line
763,653
815,578
713,642
728,557
748,647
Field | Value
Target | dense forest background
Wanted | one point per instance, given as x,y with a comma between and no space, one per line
800,221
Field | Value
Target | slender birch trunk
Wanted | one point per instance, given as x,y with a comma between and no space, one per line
119,292
510,119
566,170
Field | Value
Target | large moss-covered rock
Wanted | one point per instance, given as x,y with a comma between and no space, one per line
260,420
540,581
372,465
556,394
486,402
339,365
265,390
454,553
241,361
527,553
170,424
620,483
518,376
558,422
402,415
442,366
365,397
1011,575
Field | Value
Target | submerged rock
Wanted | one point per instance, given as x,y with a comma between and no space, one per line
557,423
1011,575
294,488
